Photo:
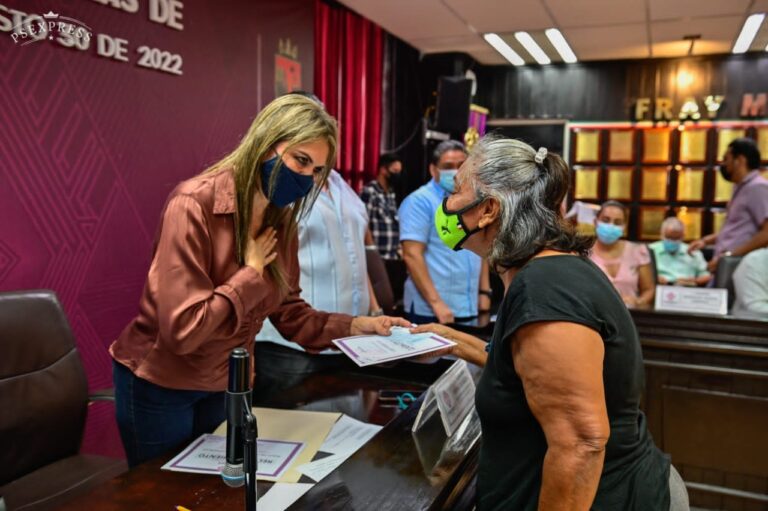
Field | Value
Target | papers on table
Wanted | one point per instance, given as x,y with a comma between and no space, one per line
280,459
368,350
310,428
207,455
346,437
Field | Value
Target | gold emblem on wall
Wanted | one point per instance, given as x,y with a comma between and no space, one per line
287,67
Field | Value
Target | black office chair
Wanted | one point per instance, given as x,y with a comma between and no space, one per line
724,276
43,406
654,268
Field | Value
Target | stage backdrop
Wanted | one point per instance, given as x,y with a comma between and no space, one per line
104,106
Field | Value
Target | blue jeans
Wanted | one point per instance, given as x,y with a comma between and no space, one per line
154,420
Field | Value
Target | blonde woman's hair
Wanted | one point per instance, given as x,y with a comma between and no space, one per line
292,118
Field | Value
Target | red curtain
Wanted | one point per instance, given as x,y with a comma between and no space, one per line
348,79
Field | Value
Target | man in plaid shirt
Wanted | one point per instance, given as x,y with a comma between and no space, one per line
379,199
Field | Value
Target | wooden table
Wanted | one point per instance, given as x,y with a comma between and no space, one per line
395,470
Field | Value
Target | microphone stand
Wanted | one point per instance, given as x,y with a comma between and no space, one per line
250,462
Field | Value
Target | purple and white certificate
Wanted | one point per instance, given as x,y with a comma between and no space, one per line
206,455
368,350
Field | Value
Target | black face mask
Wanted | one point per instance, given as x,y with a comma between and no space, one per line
395,179
724,172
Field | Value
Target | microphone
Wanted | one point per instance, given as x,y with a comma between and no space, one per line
238,393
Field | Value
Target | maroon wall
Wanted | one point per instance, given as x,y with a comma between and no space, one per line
91,147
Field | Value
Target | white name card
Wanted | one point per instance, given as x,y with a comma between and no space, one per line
453,395
692,299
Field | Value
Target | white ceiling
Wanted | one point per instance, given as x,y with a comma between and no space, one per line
595,29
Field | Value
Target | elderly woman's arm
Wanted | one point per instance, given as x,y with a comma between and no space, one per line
468,347
561,367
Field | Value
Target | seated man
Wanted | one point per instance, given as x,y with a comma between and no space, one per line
443,284
750,284
674,265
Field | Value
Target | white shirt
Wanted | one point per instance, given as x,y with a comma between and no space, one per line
334,274
750,284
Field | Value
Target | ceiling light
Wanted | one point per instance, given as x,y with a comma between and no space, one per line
561,45
684,79
503,48
534,49
748,32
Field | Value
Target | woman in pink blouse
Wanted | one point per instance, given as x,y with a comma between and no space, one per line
627,264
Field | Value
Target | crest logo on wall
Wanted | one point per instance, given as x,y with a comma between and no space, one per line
287,67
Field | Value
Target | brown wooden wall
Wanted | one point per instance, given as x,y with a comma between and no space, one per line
707,404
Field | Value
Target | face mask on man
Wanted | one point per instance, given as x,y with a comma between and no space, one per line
671,246
724,172
608,233
289,186
395,179
450,225
446,179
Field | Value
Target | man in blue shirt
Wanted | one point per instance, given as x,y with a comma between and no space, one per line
442,285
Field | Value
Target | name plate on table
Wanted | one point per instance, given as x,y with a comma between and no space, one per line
692,299
452,395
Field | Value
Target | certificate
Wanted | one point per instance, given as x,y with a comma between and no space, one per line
655,146
620,184
691,218
724,137
723,188
367,350
690,185
587,146
654,184
587,184
207,455
693,146
650,222
621,146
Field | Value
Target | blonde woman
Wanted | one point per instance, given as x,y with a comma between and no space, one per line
225,259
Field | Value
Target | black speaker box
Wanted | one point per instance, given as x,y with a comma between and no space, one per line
453,97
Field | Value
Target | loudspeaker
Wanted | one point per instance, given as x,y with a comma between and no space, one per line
454,94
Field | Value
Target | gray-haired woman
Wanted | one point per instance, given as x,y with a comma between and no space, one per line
560,394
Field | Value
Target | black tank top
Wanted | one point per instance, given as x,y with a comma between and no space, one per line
566,288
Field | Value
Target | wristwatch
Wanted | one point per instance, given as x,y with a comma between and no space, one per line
377,312
727,253
486,292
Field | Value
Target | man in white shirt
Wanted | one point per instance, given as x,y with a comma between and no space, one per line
750,284
334,278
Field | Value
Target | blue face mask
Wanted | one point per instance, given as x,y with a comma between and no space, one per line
671,246
289,187
446,179
608,233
